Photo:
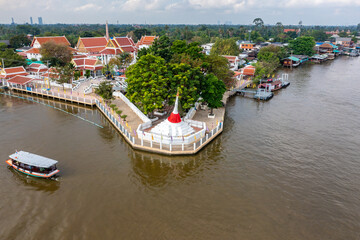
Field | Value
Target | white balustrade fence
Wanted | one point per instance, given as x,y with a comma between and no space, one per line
141,115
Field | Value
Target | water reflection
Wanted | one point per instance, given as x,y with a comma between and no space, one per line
157,171
38,184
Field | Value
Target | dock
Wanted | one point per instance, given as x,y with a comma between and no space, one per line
259,94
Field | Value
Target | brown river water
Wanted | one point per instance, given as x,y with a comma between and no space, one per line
284,169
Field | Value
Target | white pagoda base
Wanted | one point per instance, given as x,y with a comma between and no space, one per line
169,129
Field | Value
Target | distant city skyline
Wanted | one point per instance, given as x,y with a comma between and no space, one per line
288,12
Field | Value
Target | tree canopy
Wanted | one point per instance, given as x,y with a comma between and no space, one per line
11,58
303,45
148,81
19,41
104,90
219,66
225,47
213,91
56,54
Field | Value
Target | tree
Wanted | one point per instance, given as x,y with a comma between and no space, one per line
343,34
64,74
11,59
105,90
121,61
303,45
3,46
19,41
213,92
161,48
188,80
271,53
225,47
259,23
279,27
319,35
56,54
148,81
219,66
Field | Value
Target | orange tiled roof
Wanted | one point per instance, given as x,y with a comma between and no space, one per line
146,40
13,70
92,42
95,49
57,39
249,70
33,50
20,80
124,41
230,58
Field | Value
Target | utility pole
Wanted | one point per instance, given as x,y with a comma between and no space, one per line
291,59
3,65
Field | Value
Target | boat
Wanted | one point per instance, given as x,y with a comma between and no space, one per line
33,165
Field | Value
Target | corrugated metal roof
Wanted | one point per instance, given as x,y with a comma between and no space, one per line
293,58
33,159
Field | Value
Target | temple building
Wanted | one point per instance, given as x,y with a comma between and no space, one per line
146,41
37,42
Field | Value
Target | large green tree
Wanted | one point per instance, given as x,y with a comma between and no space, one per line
11,59
225,47
19,41
213,91
188,80
148,81
319,35
219,66
303,45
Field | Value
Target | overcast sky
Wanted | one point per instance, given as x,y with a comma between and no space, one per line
311,12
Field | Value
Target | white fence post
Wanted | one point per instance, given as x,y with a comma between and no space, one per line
194,145
182,147
207,137
151,144
170,147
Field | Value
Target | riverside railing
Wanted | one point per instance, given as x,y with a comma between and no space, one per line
69,97
120,126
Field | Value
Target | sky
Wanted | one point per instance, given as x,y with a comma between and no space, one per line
310,12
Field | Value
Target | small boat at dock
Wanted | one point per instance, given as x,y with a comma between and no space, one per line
33,165
272,85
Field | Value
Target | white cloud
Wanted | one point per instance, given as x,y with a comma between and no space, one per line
87,7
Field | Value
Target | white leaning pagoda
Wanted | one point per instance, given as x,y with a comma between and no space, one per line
173,126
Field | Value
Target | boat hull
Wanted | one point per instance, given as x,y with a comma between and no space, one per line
33,174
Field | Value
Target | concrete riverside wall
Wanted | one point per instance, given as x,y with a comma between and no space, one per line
141,115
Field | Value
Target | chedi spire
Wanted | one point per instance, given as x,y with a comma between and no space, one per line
175,116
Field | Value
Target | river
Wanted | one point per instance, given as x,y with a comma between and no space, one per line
283,169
